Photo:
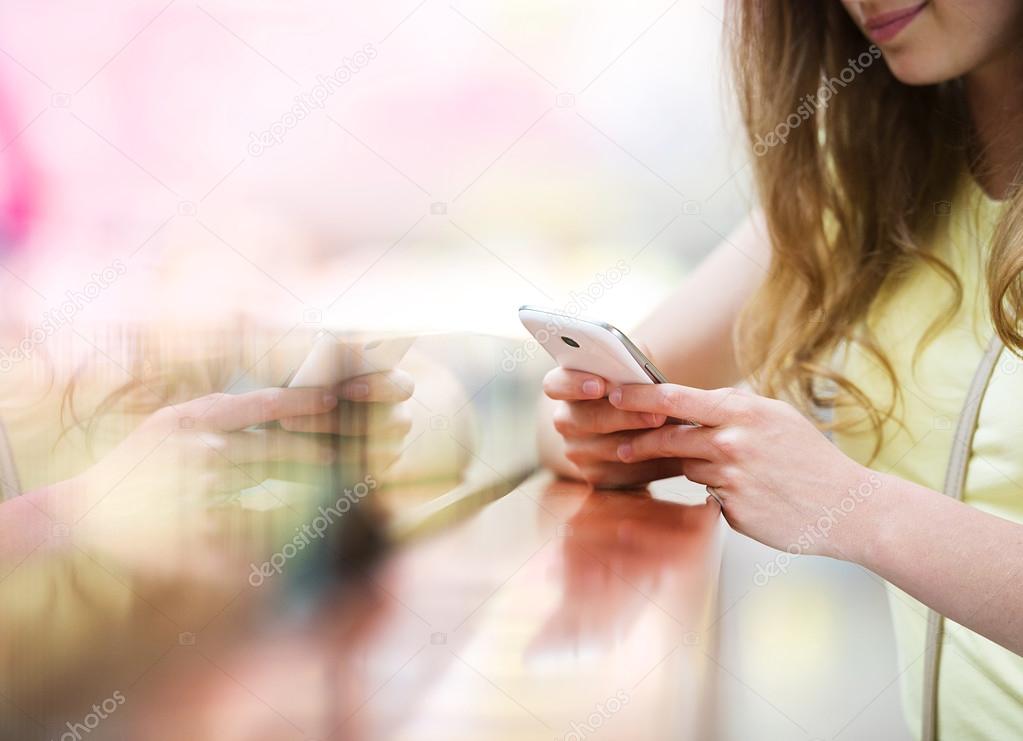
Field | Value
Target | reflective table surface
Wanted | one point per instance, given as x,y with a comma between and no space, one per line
552,612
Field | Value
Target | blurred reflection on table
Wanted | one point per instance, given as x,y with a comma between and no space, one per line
96,591
554,610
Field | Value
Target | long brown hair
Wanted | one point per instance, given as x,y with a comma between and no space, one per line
853,190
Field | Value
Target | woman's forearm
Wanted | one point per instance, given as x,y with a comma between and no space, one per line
690,335
962,562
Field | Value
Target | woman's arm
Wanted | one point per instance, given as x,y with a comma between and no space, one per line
964,563
689,335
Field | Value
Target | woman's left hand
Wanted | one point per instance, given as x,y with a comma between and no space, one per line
778,478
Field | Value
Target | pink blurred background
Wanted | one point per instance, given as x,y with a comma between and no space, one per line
487,155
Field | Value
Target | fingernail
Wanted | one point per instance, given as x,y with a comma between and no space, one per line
591,388
615,397
624,451
357,391
329,401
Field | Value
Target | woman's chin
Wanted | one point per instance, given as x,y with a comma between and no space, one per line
912,67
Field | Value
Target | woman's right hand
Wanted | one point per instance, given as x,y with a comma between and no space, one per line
593,429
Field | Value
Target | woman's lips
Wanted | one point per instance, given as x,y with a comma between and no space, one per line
886,26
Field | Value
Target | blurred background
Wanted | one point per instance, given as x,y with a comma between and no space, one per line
190,191
403,164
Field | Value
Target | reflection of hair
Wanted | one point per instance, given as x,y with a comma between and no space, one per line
851,198
158,376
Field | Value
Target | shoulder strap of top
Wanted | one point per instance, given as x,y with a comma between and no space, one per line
955,480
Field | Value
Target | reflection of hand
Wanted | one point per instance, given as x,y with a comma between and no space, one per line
146,503
370,423
593,429
375,409
625,549
203,446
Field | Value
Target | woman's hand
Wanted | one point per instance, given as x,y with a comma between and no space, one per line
778,479
593,430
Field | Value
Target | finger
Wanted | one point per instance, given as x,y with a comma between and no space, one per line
255,446
391,386
597,448
598,417
703,472
710,408
237,411
670,441
629,475
570,385
356,420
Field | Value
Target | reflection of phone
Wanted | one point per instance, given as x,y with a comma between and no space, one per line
590,346
335,359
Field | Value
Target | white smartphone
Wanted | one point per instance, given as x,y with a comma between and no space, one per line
591,346
335,359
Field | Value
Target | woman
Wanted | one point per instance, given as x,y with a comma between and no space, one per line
886,256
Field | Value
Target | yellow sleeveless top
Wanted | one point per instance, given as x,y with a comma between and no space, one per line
981,684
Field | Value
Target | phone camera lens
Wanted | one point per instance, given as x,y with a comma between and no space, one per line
570,342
